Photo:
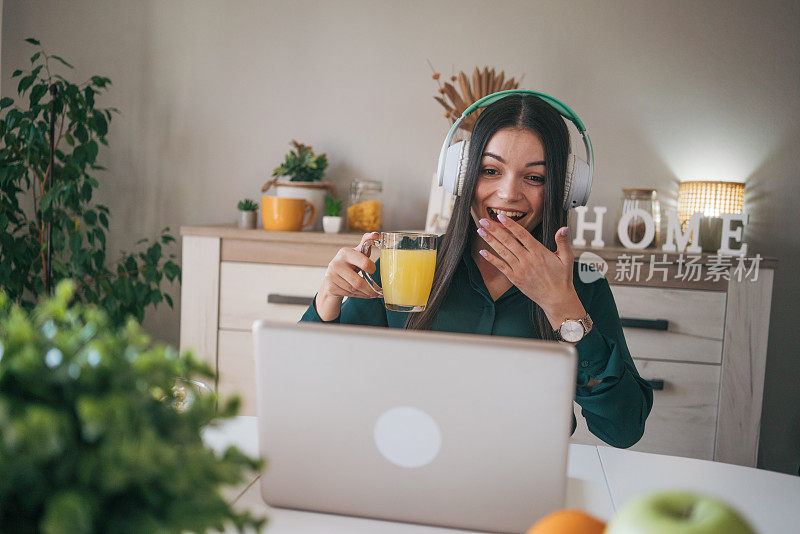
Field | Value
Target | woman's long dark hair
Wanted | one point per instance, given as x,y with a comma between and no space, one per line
531,113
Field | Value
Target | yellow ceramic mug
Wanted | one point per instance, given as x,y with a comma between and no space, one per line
286,214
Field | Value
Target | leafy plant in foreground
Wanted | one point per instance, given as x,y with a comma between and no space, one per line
90,437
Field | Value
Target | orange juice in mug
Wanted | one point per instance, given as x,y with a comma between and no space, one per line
286,214
406,278
408,261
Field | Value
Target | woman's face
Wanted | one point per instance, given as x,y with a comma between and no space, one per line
511,178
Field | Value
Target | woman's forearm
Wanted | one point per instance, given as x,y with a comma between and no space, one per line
328,306
568,307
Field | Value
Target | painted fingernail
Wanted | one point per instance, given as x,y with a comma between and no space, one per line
482,232
483,253
565,231
484,223
502,218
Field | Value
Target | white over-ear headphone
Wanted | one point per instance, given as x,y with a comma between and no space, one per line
453,159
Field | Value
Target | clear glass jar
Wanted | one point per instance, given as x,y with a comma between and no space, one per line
365,212
643,199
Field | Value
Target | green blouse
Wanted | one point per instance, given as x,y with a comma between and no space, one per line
615,410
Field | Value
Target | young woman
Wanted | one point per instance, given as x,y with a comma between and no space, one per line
505,267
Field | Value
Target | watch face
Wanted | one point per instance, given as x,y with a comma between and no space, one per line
571,331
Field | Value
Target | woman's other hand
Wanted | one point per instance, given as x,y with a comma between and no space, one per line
543,276
342,279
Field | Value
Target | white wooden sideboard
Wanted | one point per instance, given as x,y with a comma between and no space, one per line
702,344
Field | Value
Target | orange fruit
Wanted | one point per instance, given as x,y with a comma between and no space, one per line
568,522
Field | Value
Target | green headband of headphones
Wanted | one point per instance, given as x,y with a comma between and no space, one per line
452,159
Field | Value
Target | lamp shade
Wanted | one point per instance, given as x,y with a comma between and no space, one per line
710,198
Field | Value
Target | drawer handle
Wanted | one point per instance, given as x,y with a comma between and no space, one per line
649,324
657,384
274,298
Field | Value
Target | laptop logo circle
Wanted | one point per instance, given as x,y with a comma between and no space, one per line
407,437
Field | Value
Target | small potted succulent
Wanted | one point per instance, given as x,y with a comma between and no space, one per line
247,213
332,221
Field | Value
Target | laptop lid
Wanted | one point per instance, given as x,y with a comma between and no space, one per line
461,431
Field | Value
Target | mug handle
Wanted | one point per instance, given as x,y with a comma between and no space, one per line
366,248
313,212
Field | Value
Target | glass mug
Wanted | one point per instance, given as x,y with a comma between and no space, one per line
408,260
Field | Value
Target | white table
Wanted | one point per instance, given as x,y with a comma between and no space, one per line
770,501
600,480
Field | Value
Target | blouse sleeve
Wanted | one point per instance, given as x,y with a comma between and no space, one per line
366,312
616,409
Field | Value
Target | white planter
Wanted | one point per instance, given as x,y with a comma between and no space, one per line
331,225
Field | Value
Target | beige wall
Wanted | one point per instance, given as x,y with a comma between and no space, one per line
212,92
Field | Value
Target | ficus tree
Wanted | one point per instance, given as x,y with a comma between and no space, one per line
124,287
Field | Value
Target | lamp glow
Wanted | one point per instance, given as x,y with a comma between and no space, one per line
711,198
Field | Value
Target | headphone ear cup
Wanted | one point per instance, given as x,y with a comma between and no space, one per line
578,182
462,167
456,168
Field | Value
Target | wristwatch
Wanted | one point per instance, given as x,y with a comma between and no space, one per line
573,330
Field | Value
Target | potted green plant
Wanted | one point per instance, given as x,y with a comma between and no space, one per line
332,221
247,213
300,176
51,227
94,434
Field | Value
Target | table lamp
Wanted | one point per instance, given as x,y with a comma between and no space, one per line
712,199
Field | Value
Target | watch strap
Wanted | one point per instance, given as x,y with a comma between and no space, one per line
587,324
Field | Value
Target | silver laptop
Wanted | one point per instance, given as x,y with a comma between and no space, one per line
460,431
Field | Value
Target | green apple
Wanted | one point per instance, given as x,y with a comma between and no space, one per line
677,513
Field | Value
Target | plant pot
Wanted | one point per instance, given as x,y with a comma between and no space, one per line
247,219
313,192
331,225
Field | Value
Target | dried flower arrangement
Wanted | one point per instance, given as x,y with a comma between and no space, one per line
484,82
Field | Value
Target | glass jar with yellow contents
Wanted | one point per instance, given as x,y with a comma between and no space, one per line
365,211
